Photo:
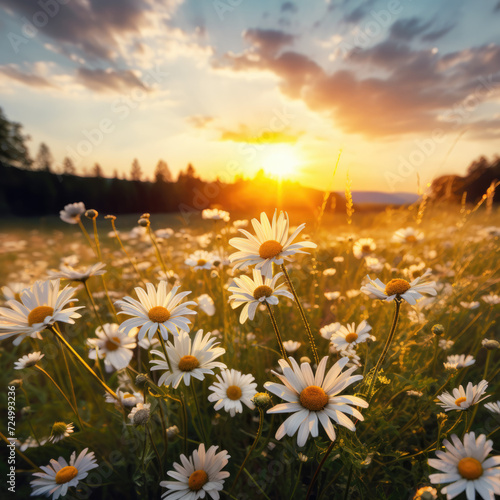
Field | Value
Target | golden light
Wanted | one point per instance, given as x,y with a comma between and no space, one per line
281,160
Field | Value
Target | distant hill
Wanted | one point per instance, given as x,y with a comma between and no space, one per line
379,197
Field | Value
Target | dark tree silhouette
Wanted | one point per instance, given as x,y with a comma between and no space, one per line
13,149
135,171
68,166
44,159
162,172
97,170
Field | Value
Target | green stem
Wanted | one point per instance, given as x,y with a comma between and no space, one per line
94,307
277,332
346,494
257,437
200,416
84,231
157,250
302,315
318,470
387,345
83,363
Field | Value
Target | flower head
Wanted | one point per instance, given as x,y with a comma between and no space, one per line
60,430
156,310
461,398
457,361
254,292
140,414
188,358
30,359
83,274
112,344
41,305
314,398
199,476
349,336
72,212
270,244
407,235
465,465
363,247
400,288
215,214
231,390
201,259
57,477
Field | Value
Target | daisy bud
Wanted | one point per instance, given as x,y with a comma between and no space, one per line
441,418
17,382
140,414
141,380
491,345
91,214
261,400
110,217
143,222
145,216
172,432
305,359
58,428
438,330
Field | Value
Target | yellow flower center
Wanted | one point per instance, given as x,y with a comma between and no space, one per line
397,287
313,398
188,363
159,314
270,249
197,479
233,392
128,395
470,468
460,400
38,314
201,262
112,344
351,337
262,291
66,474
411,239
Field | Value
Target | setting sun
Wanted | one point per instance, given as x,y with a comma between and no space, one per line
281,161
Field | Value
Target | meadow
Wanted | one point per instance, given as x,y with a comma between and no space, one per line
374,427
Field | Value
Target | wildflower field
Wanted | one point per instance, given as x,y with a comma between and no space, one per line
252,356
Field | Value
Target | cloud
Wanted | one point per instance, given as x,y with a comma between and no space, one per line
244,134
411,94
289,7
432,36
100,80
12,72
406,29
268,42
92,26
199,121
359,13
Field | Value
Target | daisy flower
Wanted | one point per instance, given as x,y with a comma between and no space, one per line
125,398
30,359
328,330
363,247
199,476
231,390
72,212
14,290
461,399
57,477
113,345
470,305
312,398
401,289
291,346
407,235
445,344
466,466
493,407
156,310
270,244
215,214
41,305
254,292
201,259
206,304
83,274
188,358
457,361
349,336
491,299
60,430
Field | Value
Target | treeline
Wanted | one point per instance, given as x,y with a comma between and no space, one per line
482,178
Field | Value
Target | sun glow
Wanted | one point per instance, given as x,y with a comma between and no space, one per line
282,161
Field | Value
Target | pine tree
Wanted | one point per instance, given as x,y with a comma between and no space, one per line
162,172
97,170
44,159
13,150
136,171
68,166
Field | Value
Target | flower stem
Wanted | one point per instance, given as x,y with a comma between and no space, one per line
302,315
157,250
83,363
257,437
381,359
94,307
86,234
200,416
320,466
277,332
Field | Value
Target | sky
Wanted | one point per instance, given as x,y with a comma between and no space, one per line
402,90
